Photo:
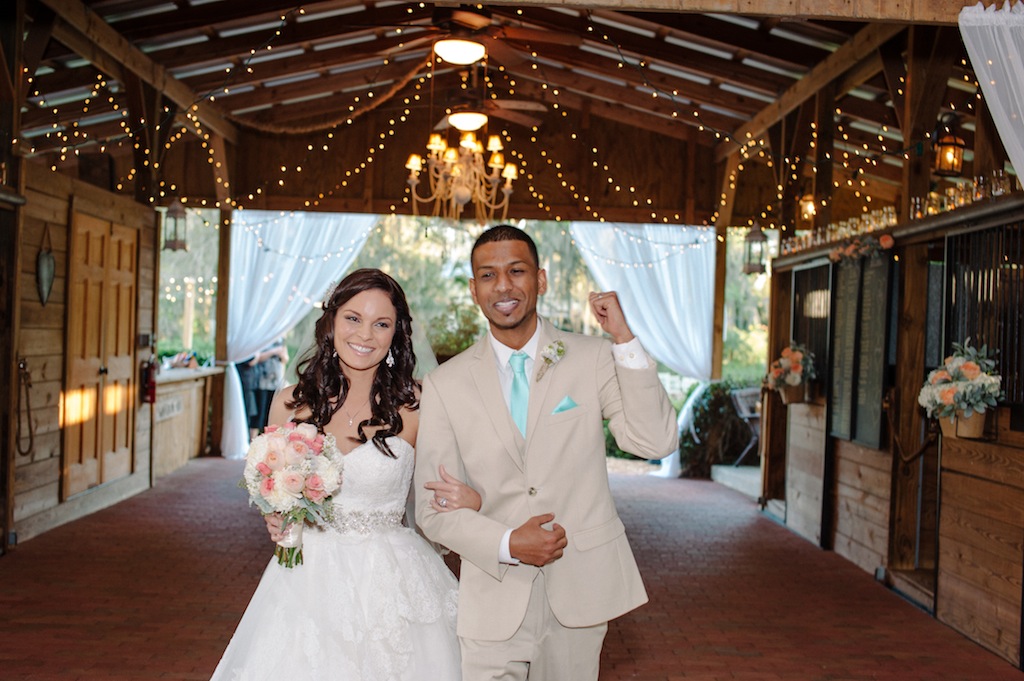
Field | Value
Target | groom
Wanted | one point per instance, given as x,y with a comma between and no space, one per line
545,561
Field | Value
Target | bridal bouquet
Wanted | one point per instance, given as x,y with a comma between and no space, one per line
293,470
964,384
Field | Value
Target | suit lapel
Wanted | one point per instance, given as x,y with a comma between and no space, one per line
539,387
485,376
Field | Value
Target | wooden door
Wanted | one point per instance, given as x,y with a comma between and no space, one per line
98,406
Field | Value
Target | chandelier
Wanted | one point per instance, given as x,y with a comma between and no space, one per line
458,176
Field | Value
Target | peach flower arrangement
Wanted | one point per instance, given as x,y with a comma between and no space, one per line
966,383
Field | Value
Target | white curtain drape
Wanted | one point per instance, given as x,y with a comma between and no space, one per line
665,279
282,264
995,43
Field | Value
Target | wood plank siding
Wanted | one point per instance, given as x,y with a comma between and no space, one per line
38,500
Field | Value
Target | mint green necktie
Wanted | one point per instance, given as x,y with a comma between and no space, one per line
520,398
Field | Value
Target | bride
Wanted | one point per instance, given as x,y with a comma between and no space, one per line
372,600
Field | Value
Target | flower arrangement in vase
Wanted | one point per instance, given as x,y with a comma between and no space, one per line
960,391
790,373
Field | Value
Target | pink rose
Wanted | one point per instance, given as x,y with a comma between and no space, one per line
317,445
970,370
948,395
264,469
270,428
317,496
292,482
886,241
267,487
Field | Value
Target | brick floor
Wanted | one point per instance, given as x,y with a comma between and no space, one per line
153,587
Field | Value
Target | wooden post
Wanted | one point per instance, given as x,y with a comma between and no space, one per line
221,342
729,169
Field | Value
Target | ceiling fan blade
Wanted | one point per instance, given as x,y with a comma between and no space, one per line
515,117
503,53
535,35
518,104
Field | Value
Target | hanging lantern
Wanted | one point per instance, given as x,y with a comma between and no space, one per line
807,207
949,148
949,155
175,227
755,247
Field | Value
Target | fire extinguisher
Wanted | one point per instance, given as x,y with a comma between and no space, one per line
149,371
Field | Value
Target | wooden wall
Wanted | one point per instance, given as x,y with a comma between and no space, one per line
805,470
39,339
860,529
981,541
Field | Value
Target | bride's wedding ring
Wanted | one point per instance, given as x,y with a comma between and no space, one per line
443,502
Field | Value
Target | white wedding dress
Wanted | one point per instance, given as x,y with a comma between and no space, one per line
372,600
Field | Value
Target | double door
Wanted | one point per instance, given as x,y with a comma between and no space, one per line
98,408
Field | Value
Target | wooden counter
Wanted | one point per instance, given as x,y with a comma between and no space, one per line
181,416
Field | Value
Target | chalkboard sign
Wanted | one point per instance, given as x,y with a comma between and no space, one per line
871,350
846,302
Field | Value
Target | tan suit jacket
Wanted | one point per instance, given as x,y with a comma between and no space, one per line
559,468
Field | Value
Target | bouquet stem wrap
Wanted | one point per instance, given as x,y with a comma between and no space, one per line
289,548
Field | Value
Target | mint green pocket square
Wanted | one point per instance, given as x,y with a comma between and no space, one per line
565,405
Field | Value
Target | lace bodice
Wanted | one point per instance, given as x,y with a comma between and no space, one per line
374,488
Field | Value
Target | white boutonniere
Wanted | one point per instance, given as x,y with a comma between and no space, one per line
551,355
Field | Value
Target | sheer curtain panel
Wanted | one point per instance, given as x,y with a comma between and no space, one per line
995,43
665,279
281,266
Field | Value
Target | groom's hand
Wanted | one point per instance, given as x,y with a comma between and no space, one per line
534,545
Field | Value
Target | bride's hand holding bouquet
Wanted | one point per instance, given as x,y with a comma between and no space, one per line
293,470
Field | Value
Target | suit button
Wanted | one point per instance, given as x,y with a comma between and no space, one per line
533,491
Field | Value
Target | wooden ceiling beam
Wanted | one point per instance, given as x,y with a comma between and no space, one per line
909,11
111,52
832,67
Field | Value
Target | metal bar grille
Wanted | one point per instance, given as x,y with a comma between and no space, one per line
811,308
985,280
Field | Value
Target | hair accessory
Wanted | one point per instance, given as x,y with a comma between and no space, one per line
390,359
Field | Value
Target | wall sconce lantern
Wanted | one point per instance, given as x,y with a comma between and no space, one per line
175,227
755,247
949,150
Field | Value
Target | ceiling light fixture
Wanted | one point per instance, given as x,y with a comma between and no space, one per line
459,51
458,176
467,119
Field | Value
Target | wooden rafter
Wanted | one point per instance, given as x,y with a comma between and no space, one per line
110,51
831,68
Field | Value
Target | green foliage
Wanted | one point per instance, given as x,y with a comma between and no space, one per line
455,329
721,433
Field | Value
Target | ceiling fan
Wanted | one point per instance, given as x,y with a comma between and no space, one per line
469,22
470,98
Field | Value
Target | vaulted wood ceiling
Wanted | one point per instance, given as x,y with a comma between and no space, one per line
725,80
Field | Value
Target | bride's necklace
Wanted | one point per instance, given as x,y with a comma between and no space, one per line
352,417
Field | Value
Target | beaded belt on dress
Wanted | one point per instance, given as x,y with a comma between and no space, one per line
361,522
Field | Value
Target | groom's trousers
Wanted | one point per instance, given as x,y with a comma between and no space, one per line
540,650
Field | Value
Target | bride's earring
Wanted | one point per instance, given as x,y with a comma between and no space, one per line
390,359
335,356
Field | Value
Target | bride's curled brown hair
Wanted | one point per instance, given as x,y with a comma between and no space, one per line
322,386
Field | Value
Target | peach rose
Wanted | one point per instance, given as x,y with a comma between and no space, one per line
292,482
941,376
796,357
274,460
970,370
786,352
886,241
947,395
296,452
